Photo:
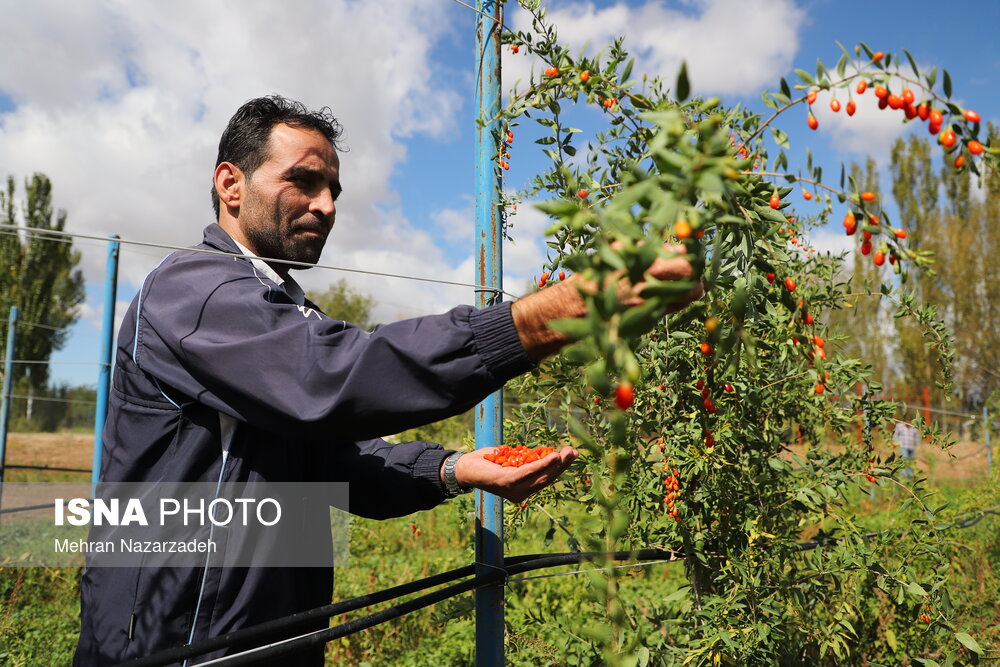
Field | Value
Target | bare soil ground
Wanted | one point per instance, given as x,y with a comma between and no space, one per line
61,450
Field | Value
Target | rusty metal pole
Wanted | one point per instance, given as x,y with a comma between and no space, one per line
489,272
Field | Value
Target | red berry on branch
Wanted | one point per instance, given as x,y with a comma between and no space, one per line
552,71
624,396
878,258
877,57
908,96
770,277
900,233
820,389
582,194
851,107
862,87
975,148
866,248
959,161
706,348
810,97
812,122
971,116
775,201
543,279
562,275
790,284
584,76
881,92
835,105
947,138
868,196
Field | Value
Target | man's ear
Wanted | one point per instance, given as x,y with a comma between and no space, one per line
229,181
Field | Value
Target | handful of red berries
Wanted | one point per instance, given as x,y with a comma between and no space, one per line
515,457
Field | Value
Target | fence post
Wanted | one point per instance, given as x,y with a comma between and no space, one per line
107,345
489,413
8,389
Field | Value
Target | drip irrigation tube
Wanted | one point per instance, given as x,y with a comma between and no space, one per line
280,630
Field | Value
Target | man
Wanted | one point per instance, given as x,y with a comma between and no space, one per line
906,436
225,372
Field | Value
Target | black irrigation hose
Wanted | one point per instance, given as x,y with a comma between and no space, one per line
283,628
487,578
25,509
53,468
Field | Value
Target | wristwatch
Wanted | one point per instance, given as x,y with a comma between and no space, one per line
450,482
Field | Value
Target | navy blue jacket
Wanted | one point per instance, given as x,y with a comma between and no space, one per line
210,335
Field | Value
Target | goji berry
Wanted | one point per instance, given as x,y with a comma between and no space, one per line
790,284
835,105
851,107
584,76
971,116
775,201
624,396
862,87
812,122
975,148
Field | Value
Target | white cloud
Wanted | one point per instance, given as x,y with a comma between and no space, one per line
122,104
712,36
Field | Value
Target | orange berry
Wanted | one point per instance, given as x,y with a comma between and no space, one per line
544,279
959,161
866,248
849,220
935,117
881,92
835,105
900,233
775,201
820,389
862,87
971,116
811,97
552,71
877,57
682,229
807,195
515,48
790,284
851,107
818,340
868,196
895,101
924,111
706,348
878,258
812,122
908,96
584,76
582,194
562,275
624,396
947,139
975,148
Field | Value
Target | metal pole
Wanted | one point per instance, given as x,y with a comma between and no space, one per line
987,425
107,345
489,413
8,389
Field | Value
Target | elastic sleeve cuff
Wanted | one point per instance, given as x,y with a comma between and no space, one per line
428,467
498,343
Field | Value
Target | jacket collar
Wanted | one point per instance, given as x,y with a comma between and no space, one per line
216,237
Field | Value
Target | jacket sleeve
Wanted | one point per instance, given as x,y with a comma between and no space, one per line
211,330
388,480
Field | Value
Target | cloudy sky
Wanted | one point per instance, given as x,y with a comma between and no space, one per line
121,104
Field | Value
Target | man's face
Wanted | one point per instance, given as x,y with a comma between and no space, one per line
289,204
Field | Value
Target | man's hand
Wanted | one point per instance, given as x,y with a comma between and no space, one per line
533,313
514,484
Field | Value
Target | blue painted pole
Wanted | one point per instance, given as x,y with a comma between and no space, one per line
489,272
107,345
8,389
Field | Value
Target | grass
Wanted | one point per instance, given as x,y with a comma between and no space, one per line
39,607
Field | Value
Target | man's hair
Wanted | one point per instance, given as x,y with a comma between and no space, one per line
245,141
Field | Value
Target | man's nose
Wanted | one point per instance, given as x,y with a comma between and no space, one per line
324,205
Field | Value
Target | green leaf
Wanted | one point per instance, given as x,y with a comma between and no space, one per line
969,643
806,77
571,326
628,70
785,89
913,63
916,589
946,82
683,88
780,138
